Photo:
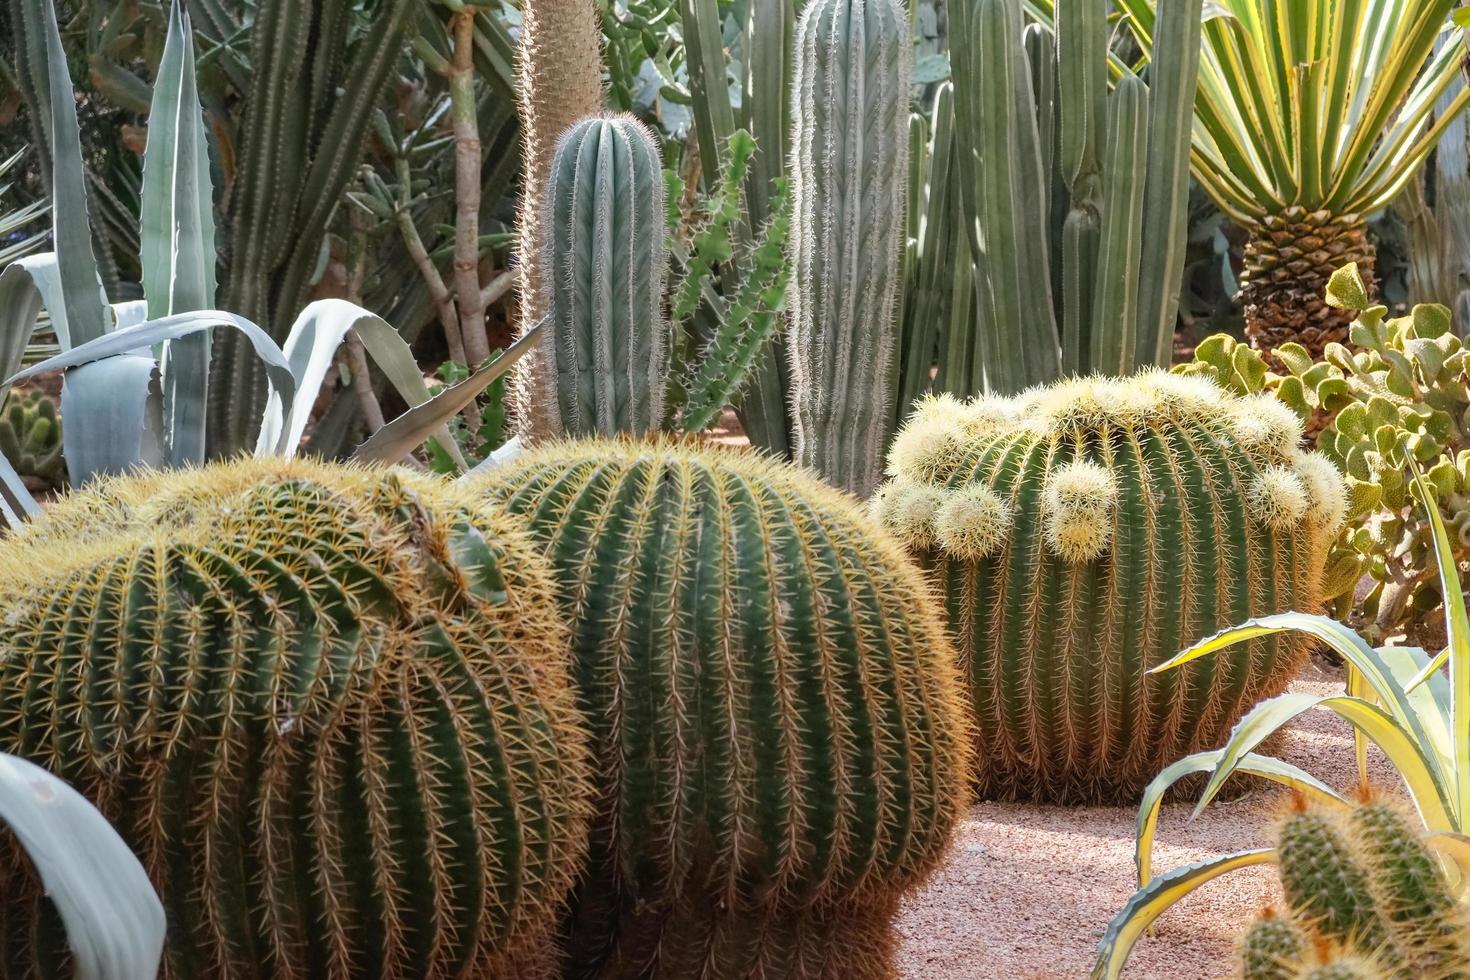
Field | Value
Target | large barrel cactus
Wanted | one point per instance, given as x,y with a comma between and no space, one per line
778,728
329,708
849,174
606,263
1086,532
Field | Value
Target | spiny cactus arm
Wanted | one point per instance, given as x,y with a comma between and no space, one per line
1272,948
1114,317
1173,77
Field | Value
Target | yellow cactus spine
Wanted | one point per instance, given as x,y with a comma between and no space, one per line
329,708
779,730
1085,532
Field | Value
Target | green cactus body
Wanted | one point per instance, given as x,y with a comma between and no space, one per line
1271,948
30,438
849,173
778,723
329,708
606,263
1365,899
1086,532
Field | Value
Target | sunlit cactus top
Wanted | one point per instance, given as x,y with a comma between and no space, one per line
933,500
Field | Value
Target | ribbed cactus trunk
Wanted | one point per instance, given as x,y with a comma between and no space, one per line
1085,533
559,81
606,263
329,708
849,173
780,740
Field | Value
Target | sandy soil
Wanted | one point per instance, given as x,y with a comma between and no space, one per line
1029,889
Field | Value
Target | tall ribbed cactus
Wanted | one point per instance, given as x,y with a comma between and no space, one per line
1089,282
776,711
1086,532
329,708
605,264
849,173
1365,897
558,81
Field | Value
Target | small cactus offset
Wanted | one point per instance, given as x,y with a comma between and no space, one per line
605,267
1084,533
329,708
778,723
1364,898
30,437
849,173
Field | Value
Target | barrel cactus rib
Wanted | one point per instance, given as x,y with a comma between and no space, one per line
1085,532
329,707
849,173
776,711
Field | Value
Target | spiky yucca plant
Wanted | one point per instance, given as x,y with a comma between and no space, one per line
1309,116
328,707
1083,533
1363,892
778,725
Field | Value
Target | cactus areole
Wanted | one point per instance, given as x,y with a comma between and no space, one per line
778,728
1084,533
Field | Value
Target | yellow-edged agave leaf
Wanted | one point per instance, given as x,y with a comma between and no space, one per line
1424,782
1427,701
1357,687
1455,848
1259,765
1149,902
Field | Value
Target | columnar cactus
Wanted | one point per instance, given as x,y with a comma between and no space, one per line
329,709
605,266
1086,532
558,81
1365,898
777,717
849,173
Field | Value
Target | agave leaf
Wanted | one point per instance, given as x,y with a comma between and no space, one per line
1260,765
1151,900
110,417
1456,848
407,432
21,301
177,231
145,335
114,920
314,339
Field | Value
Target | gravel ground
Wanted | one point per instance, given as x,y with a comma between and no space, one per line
1029,889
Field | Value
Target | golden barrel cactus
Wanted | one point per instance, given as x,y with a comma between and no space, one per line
779,735
328,707
1085,532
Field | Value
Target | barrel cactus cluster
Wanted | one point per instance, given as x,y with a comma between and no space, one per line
1084,533
777,718
329,708
1365,899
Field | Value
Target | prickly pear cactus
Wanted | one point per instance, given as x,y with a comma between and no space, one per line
605,267
1364,898
1403,387
849,173
778,726
1084,533
30,438
329,708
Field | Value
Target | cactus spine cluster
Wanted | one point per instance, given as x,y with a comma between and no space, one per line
605,265
849,173
1365,899
1085,532
30,437
778,724
329,708
558,81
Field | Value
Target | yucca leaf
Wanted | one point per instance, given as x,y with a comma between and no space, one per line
1149,902
177,230
114,920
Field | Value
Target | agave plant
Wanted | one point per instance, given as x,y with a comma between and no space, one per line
15,241
1309,115
1398,698
116,416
